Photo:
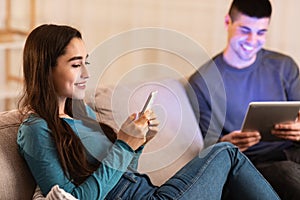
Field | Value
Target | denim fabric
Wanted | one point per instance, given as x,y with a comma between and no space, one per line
218,172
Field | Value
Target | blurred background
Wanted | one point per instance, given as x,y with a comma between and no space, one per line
99,20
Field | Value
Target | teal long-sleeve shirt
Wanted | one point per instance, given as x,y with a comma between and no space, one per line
38,149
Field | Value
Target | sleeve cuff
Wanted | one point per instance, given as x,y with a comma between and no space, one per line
128,148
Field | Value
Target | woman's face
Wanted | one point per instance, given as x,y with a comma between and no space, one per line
70,75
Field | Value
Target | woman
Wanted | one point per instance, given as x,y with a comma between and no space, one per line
64,145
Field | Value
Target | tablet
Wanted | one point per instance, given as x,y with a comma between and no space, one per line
262,116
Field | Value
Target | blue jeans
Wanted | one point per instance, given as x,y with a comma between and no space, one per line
219,172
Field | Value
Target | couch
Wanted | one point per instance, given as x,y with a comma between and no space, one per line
177,142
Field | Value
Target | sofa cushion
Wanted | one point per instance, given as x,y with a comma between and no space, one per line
16,181
179,138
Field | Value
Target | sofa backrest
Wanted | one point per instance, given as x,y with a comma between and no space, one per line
16,181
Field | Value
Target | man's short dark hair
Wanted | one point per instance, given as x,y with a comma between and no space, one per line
251,8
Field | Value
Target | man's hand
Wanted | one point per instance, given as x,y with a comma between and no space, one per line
289,130
243,140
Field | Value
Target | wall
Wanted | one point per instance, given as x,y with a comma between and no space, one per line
200,21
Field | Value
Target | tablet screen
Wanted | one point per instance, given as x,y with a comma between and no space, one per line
262,116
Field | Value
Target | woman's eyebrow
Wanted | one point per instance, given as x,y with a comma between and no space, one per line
75,58
78,58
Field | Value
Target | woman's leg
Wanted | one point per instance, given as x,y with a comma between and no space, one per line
218,170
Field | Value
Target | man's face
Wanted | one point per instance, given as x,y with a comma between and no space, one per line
246,36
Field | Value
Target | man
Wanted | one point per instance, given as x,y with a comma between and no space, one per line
246,72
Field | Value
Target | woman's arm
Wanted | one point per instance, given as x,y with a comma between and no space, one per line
39,151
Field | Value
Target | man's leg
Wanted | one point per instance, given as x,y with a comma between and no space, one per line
284,176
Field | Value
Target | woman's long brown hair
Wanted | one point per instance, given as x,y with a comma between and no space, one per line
42,48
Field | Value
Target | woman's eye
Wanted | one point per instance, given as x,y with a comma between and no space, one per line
76,65
79,65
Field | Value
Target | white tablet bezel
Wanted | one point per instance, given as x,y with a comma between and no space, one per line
262,116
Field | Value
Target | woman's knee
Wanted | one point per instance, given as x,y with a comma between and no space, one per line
217,148
226,146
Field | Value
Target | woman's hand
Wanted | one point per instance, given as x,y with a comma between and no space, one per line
136,132
152,126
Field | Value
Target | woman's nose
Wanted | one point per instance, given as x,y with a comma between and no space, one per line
85,73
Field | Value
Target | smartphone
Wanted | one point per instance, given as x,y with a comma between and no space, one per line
149,101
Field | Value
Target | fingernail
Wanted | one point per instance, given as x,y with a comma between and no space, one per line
136,116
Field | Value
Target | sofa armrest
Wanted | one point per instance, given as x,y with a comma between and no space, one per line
16,181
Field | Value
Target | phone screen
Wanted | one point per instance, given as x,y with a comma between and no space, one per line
149,101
